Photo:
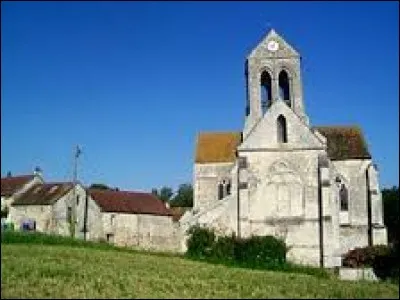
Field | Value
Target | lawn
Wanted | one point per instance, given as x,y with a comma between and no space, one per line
62,271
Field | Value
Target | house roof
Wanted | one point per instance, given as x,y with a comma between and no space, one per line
215,147
10,185
43,194
129,202
344,142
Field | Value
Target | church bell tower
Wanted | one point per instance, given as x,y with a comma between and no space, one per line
273,74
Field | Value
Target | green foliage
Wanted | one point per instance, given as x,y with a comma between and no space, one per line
4,212
21,237
164,194
390,198
201,242
100,186
256,252
261,251
386,265
184,196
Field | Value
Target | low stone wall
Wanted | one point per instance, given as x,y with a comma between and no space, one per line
357,274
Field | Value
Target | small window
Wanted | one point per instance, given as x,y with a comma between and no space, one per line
69,214
228,188
112,218
281,129
77,200
344,198
220,191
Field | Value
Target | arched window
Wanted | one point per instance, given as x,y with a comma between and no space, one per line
266,92
220,191
281,129
284,89
344,198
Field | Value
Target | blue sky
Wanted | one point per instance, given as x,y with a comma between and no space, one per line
134,82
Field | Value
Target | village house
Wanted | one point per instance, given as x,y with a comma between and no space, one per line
316,187
12,186
135,219
48,207
123,218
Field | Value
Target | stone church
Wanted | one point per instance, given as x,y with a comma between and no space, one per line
316,187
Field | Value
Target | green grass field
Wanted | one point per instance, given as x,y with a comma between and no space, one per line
62,271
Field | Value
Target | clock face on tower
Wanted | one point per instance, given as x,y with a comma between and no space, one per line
272,46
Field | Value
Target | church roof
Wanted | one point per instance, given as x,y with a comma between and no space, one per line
344,142
43,194
216,147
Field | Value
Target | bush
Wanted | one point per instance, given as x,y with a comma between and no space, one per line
256,251
224,248
383,259
201,242
261,251
364,257
386,265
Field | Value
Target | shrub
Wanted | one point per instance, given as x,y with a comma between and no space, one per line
261,251
256,251
224,248
364,257
201,242
386,265
383,259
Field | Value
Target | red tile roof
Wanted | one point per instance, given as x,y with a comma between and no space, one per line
129,202
44,194
9,185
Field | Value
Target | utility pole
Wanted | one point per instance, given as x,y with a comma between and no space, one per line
77,152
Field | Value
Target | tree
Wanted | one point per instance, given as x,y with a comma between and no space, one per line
390,199
184,196
164,194
99,186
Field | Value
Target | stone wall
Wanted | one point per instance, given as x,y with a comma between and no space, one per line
150,232
206,180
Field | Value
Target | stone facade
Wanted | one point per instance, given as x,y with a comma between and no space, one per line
314,187
149,232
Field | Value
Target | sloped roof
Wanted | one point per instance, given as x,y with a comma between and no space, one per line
10,185
344,142
43,194
129,202
217,147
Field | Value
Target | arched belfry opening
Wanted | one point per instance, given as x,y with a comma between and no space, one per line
281,129
284,87
266,91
